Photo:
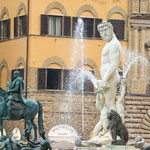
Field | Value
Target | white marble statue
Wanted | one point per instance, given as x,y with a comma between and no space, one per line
106,92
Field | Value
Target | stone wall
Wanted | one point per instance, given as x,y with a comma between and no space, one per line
137,109
59,109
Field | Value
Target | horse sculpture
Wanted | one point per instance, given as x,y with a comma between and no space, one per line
20,111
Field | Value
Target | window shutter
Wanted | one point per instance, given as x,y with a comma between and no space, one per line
16,27
74,23
25,25
120,29
12,72
88,27
118,26
97,21
8,29
41,78
0,31
67,25
44,24
21,71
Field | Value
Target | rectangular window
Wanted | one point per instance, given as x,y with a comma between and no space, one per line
55,25
21,72
20,26
5,29
49,79
58,79
89,26
118,26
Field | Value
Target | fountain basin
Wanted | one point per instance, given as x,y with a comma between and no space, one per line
108,147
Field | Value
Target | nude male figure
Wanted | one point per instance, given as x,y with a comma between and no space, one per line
110,59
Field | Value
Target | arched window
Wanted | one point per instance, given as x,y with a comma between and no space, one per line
118,23
55,21
4,25
88,15
50,76
118,17
20,21
20,68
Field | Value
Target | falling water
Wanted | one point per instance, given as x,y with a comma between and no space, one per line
130,58
77,52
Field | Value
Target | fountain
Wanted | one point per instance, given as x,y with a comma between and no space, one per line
100,134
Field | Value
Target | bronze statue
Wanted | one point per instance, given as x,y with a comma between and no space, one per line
26,109
117,128
9,144
43,145
15,93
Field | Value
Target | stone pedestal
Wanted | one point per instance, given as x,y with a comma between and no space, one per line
107,147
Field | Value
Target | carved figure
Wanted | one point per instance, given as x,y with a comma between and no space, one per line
106,92
20,111
138,143
9,144
117,128
44,144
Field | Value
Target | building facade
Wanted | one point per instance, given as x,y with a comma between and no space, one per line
42,40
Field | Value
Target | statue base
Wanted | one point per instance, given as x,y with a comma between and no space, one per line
108,147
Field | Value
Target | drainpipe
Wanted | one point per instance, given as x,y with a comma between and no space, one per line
27,51
27,55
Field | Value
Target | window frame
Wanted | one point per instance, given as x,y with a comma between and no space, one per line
7,36
18,28
65,25
44,80
96,21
